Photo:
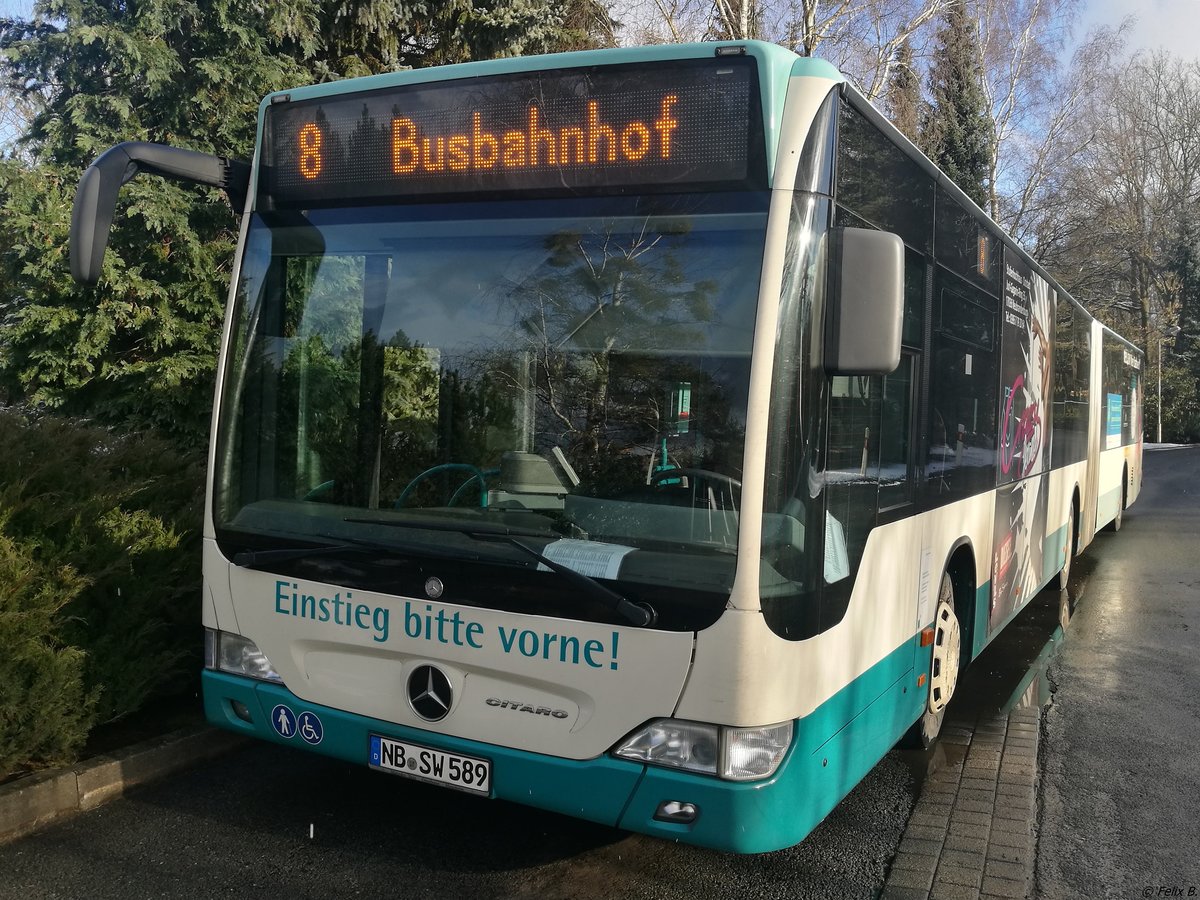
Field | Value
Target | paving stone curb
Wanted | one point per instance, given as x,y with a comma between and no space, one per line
31,803
971,833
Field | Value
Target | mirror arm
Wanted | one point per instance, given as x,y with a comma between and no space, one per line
96,196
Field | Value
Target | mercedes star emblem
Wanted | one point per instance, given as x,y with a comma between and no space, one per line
429,693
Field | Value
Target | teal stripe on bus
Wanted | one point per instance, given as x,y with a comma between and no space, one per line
1054,554
833,749
594,789
835,746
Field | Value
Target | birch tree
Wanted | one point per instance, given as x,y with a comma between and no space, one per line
1038,147
1130,190
1019,43
861,37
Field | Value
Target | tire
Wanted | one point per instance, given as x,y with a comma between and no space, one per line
1115,524
945,665
1064,573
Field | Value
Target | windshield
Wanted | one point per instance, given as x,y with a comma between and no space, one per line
572,371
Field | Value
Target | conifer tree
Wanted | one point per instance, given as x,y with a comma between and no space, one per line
904,93
99,545
139,349
956,129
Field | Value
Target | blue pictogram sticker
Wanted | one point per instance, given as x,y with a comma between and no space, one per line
310,728
283,720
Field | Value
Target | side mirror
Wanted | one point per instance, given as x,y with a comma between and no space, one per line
96,196
865,313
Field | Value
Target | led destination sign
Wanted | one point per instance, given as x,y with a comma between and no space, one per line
689,123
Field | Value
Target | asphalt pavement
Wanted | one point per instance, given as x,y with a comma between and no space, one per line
1120,748
273,822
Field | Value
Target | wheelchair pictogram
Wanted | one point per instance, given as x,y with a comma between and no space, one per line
309,727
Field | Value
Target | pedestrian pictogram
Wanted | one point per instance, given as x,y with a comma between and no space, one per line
283,720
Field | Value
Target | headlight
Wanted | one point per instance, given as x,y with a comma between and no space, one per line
736,754
755,752
237,655
669,742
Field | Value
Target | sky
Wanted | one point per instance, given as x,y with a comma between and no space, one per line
1173,25
1170,24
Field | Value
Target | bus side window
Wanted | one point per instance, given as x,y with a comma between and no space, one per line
1069,417
1120,394
961,456
897,459
881,184
895,435
851,483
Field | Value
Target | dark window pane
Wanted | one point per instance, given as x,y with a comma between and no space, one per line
963,318
913,332
792,583
815,172
1122,382
966,243
879,183
1081,345
962,394
895,435
584,347
851,480
1070,413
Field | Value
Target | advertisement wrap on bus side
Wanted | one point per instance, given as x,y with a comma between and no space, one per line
1024,473
1112,421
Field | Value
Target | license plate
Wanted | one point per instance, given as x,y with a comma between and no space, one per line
467,773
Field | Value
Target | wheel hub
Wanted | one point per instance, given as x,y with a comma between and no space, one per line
947,648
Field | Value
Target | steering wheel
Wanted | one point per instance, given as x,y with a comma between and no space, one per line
703,474
476,474
319,491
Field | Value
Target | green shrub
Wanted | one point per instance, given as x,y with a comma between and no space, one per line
122,513
45,710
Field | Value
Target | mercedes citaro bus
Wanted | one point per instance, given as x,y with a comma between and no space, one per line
649,435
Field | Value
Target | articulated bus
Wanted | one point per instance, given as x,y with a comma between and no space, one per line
647,435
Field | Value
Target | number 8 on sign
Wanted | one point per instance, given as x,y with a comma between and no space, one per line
310,150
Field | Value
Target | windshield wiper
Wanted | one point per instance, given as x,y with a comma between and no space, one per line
469,530
640,614
249,559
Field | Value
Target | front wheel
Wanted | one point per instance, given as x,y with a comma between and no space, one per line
945,664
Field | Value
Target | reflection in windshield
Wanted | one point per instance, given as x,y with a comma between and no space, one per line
576,373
